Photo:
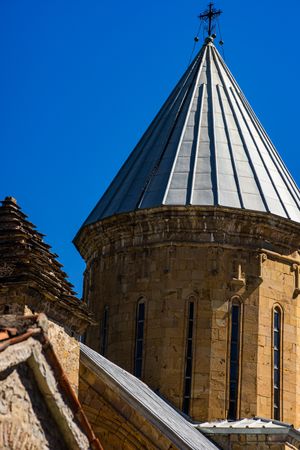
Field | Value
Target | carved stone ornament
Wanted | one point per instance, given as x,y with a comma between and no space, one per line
262,257
6,270
295,268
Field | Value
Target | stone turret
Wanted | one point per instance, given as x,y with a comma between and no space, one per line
32,281
193,260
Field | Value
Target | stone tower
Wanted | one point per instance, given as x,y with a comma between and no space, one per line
32,281
192,261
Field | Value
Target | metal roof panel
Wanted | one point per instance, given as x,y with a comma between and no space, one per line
204,147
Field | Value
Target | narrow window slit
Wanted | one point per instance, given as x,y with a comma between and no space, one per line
139,340
104,334
188,361
234,362
276,362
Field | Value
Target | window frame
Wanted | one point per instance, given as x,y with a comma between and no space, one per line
277,309
234,302
104,331
139,340
190,331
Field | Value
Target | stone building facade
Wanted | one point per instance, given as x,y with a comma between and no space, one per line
38,407
192,257
166,259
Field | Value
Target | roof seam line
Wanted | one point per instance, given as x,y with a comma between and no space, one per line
273,154
227,92
192,187
247,153
261,158
137,152
156,167
236,178
184,127
213,156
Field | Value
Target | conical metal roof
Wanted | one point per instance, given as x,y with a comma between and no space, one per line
205,147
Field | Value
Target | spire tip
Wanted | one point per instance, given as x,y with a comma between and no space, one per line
209,16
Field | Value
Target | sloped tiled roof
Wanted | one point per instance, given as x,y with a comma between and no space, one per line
25,259
19,240
205,147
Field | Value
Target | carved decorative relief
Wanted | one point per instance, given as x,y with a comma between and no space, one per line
238,272
6,270
262,257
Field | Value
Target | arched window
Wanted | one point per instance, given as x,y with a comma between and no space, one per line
277,329
187,385
104,331
235,319
139,339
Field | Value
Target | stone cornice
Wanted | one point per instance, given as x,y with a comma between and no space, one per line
192,225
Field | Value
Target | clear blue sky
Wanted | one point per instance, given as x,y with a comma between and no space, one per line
81,80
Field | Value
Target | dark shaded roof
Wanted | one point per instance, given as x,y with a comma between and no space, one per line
204,147
19,240
136,393
17,329
26,259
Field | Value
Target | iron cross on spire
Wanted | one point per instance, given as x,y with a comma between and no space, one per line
209,15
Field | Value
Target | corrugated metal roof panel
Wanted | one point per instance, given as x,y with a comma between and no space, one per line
205,147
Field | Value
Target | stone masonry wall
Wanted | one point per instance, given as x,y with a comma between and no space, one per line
24,418
168,277
65,346
279,289
67,349
168,258
252,441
